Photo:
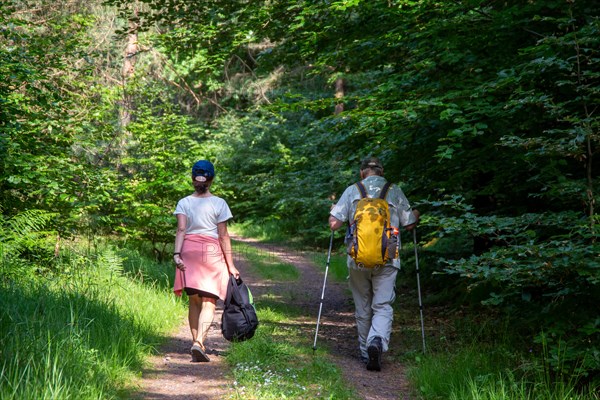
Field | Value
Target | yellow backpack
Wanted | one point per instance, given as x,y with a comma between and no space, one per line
371,238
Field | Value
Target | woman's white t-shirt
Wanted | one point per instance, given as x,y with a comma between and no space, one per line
203,214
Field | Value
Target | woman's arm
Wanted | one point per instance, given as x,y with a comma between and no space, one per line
225,241
181,225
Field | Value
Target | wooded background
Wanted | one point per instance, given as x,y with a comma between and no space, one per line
485,112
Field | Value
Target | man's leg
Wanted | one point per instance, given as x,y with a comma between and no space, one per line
384,294
362,293
383,281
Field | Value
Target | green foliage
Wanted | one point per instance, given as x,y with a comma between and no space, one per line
156,172
540,269
138,267
486,108
23,231
338,267
484,112
439,375
26,249
41,84
266,231
507,386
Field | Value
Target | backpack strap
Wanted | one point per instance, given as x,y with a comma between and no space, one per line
362,190
384,190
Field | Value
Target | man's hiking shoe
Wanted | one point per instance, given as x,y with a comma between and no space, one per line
375,350
198,354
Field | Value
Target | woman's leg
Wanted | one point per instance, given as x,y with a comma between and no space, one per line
194,314
199,312
206,317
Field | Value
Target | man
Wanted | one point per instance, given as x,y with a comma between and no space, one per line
373,288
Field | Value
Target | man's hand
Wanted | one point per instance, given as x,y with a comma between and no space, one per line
335,223
412,226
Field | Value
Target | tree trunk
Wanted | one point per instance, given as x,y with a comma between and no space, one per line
129,59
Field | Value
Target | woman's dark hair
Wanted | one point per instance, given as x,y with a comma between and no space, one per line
201,187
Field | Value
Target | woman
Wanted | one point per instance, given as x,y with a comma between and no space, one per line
202,254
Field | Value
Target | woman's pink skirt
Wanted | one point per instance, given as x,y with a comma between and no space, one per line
205,266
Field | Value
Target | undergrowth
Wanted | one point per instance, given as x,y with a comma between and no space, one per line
473,352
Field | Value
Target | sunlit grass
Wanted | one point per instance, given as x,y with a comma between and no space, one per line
504,386
436,374
485,372
338,268
82,333
265,263
270,232
266,231
279,363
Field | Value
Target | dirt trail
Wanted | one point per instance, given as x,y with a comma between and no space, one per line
173,376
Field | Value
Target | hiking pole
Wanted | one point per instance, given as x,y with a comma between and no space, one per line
323,292
419,286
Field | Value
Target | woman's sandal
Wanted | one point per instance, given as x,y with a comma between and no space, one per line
198,352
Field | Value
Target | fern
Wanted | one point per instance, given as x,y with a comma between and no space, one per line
110,262
22,231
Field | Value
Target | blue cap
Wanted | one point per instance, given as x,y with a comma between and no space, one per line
203,168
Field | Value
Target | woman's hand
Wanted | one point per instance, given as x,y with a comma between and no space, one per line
179,262
233,271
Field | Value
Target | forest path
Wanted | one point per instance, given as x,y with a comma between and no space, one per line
173,376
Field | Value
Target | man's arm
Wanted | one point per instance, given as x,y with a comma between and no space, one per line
339,211
417,214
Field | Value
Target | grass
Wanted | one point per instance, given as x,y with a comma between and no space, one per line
506,386
473,359
265,263
338,268
266,231
279,363
436,375
472,353
82,331
480,372
468,357
83,326
270,232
